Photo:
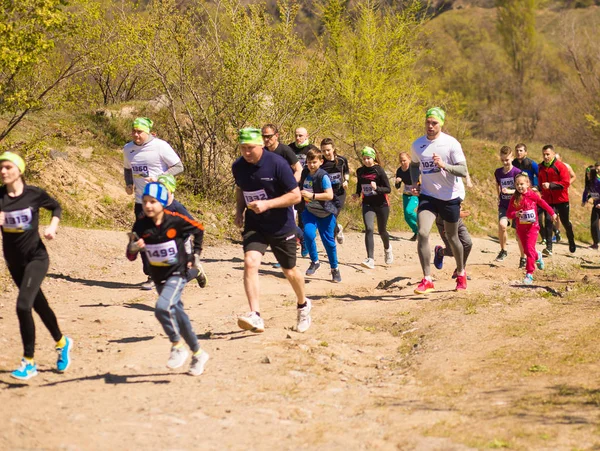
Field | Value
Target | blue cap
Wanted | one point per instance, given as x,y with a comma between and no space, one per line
158,191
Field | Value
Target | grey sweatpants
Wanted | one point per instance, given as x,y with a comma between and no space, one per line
463,236
425,220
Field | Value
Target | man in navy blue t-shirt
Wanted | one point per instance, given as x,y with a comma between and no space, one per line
266,189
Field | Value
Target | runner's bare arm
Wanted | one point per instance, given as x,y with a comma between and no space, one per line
240,207
297,168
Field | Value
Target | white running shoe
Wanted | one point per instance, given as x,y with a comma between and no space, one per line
304,319
177,357
389,256
147,285
198,363
369,263
252,322
340,235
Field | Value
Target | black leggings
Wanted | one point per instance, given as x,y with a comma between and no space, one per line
342,199
29,279
382,213
139,213
595,224
562,210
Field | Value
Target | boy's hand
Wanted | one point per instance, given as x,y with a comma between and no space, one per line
136,244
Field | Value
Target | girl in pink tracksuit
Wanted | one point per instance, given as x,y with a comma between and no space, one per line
524,206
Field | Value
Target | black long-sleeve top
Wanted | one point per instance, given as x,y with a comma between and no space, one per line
165,244
20,235
377,197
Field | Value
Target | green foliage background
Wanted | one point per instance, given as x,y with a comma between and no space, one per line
360,71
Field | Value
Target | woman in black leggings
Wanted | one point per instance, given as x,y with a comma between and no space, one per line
374,185
27,259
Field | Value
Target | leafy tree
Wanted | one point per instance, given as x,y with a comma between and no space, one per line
223,67
109,36
29,30
517,28
371,54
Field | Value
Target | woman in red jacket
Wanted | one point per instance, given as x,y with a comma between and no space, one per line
554,180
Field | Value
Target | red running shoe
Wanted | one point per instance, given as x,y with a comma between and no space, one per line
461,282
426,286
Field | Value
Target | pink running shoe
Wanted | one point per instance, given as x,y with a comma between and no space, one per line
461,282
426,286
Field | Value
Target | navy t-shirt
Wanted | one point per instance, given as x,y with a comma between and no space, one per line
269,178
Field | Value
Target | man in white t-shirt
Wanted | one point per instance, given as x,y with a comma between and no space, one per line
442,164
144,159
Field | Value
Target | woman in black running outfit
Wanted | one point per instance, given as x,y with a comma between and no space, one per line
338,170
27,259
374,185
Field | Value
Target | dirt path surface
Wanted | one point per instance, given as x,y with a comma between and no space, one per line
500,366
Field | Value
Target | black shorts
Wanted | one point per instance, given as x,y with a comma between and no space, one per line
283,247
502,214
448,210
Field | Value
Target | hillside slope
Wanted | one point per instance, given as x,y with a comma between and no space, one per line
499,366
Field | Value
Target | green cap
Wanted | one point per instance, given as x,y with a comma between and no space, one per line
437,113
168,181
14,159
250,136
142,123
368,152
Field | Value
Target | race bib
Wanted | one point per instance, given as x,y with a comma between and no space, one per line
429,167
251,196
140,170
407,189
336,178
163,254
528,217
17,221
507,183
367,190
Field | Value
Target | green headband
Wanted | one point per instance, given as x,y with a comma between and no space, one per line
368,152
142,123
14,159
437,113
168,181
250,136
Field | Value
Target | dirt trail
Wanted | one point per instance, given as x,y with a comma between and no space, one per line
498,366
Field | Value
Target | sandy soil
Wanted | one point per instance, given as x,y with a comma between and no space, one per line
500,366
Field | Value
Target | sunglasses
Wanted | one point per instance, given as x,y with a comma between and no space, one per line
268,136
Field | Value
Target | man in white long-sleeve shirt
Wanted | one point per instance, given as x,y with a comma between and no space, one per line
144,159
442,164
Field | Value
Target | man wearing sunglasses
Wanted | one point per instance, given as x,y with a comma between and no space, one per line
270,136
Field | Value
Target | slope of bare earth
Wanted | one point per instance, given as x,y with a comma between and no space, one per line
499,366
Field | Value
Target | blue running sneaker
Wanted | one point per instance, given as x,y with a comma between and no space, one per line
540,261
528,280
64,356
26,371
438,259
